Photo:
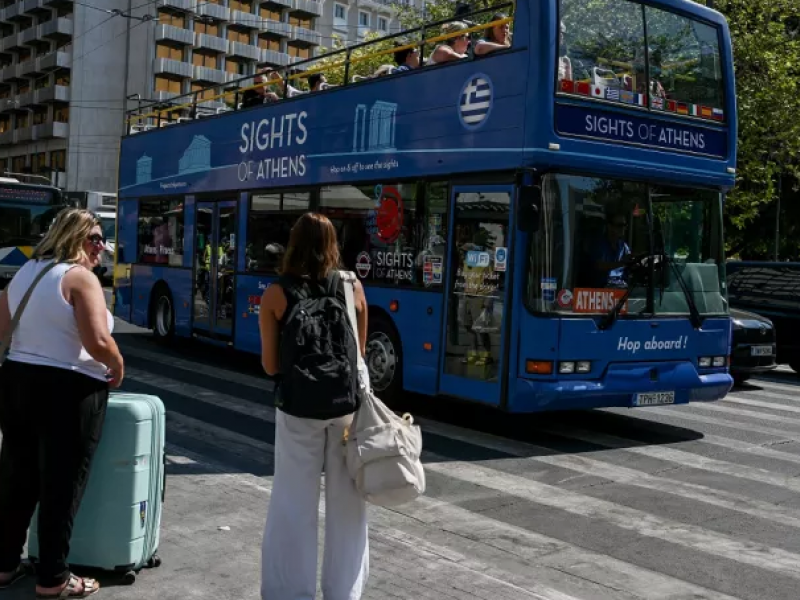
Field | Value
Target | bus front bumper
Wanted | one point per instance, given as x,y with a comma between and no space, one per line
631,385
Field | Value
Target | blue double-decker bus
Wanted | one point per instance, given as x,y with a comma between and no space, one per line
537,228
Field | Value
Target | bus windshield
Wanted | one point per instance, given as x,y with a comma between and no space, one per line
593,228
25,215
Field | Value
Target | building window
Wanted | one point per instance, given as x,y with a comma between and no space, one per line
42,83
235,66
5,124
383,25
62,78
165,84
242,5
61,114
297,52
174,19
19,163
266,43
268,225
23,87
242,37
207,28
268,13
58,160
363,19
39,162
339,12
205,92
161,231
166,51
300,22
40,116
22,121
201,59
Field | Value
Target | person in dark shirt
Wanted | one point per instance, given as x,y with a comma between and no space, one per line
259,95
407,60
611,254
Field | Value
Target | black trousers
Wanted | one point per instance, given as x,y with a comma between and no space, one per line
51,420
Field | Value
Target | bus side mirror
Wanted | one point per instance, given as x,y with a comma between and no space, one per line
529,204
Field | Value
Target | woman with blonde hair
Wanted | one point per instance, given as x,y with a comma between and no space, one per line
54,389
309,433
453,48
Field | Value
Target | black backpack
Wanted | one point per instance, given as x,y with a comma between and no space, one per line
318,351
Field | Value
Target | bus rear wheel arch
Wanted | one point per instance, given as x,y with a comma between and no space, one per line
162,313
384,357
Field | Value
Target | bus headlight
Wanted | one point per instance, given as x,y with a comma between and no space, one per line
706,362
568,367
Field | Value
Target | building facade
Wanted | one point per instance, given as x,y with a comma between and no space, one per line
351,20
69,71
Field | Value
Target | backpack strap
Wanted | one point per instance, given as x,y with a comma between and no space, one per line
349,278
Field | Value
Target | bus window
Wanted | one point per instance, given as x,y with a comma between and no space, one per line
685,65
269,223
388,232
593,228
602,49
161,231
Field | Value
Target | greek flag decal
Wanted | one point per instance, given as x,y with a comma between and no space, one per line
475,102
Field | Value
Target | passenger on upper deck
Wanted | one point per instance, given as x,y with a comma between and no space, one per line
497,38
259,95
454,48
406,60
564,62
318,82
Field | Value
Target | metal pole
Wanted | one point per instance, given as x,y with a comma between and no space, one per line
778,216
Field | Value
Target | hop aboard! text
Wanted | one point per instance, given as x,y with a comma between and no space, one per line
633,346
268,135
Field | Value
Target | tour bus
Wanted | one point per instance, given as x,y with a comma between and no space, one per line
536,228
26,212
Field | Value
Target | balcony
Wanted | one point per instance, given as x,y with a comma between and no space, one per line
29,68
10,73
34,6
57,28
185,5
276,27
245,19
165,96
6,138
54,129
52,93
14,13
55,60
23,134
214,11
383,6
212,42
207,74
10,42
307,36
58,3
22,100
278,3
172,67
273,57
245,51
312,7
174,34
26,36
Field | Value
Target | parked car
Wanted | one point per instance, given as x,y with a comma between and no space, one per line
770,289
753,348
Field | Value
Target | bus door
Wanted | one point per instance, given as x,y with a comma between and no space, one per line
476,293
214,266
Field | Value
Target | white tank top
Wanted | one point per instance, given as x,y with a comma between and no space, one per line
47,333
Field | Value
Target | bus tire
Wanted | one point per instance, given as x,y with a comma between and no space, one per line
384,358
162,312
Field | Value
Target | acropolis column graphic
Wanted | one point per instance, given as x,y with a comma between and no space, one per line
144,169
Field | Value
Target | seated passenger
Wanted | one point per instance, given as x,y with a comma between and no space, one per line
497,38
406,60
259,95
318,82
564,62
454,48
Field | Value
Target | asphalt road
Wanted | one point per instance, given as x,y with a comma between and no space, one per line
677,503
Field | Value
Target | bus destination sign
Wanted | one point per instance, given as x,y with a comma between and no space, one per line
25,194
642,131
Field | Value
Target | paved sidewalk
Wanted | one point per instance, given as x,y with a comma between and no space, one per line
211,544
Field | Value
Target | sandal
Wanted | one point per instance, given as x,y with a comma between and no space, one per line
90,587
19,573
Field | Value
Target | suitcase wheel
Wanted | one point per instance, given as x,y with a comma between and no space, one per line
129,578
154,562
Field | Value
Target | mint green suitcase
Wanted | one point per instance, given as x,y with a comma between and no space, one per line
118,525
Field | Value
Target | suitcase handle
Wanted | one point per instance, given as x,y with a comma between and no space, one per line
164,479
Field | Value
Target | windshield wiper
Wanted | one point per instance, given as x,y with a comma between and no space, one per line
611,316
694,313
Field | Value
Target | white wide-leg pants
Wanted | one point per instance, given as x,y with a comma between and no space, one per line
289,549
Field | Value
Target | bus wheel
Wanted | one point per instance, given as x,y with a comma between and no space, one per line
163,315
384,359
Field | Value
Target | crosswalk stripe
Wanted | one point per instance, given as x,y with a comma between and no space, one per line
642,523
645,524
761,404
769,383
749,414
509,542
612,472
784,434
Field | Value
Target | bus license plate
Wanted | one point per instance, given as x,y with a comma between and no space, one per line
654,399
761,351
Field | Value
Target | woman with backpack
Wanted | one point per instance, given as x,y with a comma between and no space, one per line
308,345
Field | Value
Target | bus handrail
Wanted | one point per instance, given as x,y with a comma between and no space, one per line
349,60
